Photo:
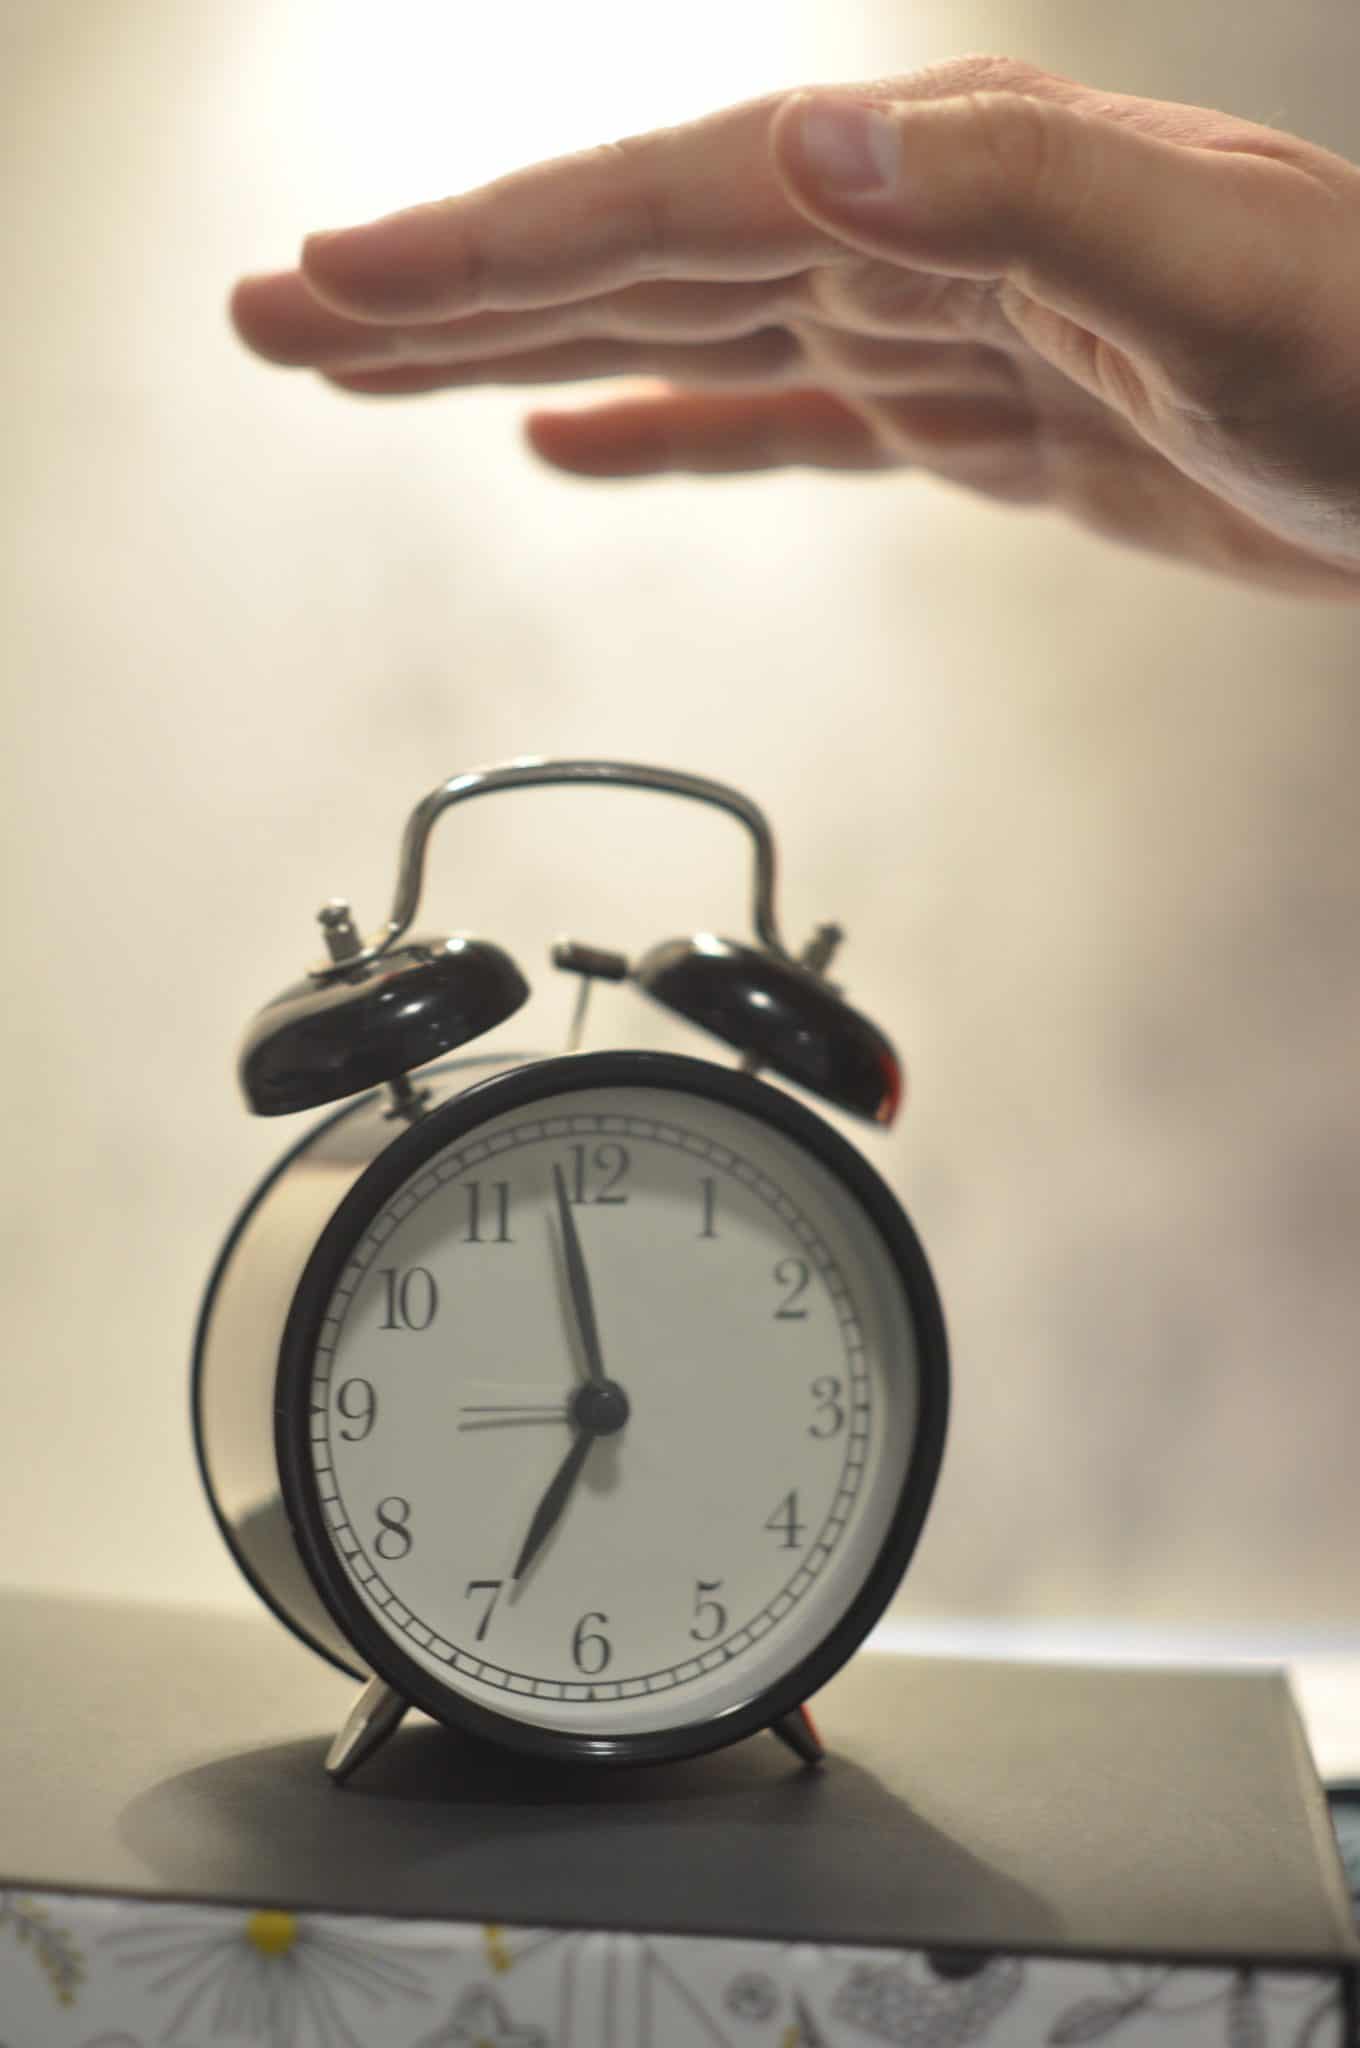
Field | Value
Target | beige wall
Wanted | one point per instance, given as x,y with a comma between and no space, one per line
1089,818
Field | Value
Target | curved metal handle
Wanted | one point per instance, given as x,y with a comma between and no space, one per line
534,772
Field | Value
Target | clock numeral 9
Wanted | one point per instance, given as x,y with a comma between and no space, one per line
609,1162
793,1274
394,1538
784,1522
357,1402
590,1651
708,1610
830,1417
410,1299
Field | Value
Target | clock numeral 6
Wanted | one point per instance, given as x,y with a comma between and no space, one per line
590,1651
410,1299
708,1610
394,1538
357,1402
793,1274
596,1179
784,1522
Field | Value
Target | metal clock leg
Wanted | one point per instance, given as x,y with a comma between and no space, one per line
372,1718
797,1731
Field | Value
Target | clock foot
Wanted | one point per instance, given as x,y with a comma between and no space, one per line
372,1718
797,1731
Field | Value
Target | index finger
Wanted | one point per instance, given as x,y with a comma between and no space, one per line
697,201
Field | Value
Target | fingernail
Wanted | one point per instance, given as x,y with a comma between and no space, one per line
849,148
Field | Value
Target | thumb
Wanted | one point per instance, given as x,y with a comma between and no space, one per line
1172,252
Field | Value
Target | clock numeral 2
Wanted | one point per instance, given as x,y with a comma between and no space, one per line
410,1299
610,1162
394,1537
793,1274
784,1522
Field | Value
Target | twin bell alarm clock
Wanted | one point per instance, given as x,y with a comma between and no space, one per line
592,1404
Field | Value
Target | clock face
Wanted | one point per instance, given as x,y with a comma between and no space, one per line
612,1410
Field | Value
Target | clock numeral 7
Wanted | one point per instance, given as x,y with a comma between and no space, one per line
491,1586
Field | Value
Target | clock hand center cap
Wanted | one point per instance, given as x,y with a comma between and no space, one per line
600,1408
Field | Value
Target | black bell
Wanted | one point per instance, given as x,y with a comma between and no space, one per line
321,1041
782,1015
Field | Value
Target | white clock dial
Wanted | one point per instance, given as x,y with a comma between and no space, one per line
630,1497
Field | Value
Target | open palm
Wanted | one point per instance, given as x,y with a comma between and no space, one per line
1138,312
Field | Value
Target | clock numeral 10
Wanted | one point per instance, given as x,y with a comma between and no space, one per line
596,1178
410,1299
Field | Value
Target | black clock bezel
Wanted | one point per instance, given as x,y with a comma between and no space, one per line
457,1117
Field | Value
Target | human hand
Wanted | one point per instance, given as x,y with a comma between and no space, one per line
1141,313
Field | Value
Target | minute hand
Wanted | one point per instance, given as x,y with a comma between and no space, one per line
578,1281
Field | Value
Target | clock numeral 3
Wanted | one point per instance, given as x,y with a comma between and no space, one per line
708,1610
590,1651
830,1417
410,1299
597,1178
784,1522
394,1537
357,1402
793,1274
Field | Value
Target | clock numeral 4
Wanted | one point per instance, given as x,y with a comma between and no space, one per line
595,1176
410,1299
394,1537
590,1651
784,1522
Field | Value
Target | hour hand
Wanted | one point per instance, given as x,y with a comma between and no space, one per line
549,1510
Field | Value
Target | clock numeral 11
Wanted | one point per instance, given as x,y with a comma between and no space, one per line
497,1222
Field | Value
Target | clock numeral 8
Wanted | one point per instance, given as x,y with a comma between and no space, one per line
590,1651
394,1538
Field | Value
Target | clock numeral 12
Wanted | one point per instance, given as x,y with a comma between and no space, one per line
610,1162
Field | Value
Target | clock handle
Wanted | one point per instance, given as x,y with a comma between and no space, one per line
535,772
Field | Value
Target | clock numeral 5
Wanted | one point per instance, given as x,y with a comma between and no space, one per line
708,1610
410,1299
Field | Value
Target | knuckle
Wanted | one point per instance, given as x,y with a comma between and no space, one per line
631,162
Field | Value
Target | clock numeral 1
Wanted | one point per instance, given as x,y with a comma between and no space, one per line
590,1651
784,1522
410,1299
491,1586
357,1402
394,1537
709,1186
708,1610
610,1162
793,1274
501,1232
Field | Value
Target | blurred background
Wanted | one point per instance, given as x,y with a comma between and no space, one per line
1089,818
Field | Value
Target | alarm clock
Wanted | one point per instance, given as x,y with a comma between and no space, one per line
590,1403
